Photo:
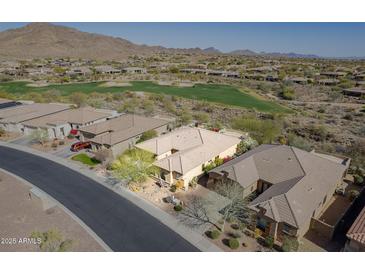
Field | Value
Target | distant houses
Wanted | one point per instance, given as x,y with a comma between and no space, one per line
291,186
356,92
134,70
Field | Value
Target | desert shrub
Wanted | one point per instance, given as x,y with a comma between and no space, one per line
246,145
194,182
353,194
179,184
287,93
173,188
78,98
214,234
290,244
235,226
201,117
185,117
358,179
178,207
264,131
54,145
2,131
269,242
61,143
233,243
348,116
235,235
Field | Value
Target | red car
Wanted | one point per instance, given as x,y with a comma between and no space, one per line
80,145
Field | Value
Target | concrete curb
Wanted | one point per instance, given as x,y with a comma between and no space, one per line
187,233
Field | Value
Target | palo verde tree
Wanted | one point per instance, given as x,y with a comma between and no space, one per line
134,166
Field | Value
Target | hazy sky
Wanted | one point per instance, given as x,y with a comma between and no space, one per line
324,39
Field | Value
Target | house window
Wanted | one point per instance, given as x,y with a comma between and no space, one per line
287,229
261,223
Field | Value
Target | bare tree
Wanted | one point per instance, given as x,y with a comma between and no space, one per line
195,212
237,206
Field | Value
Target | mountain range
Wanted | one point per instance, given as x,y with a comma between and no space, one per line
42,40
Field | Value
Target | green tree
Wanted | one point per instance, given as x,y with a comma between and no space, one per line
290,244
201,117
52,241
40,135
264,131
149,134
134,165
185,117
78,98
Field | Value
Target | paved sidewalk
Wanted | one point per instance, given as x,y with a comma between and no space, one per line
187,233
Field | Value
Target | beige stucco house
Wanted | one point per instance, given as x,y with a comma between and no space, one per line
181,154
59,125
13,119
121,133
291,186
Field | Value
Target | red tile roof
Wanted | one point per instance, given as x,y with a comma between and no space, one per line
357,230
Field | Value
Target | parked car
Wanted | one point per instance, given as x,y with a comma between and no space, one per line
80,146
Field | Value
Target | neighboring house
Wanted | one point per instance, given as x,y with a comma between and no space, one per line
328,82
356,234
79,71
12,119
121,133
107,70
356,92
5,103
299,80
291,186
59,125
134,70
182,154
334,74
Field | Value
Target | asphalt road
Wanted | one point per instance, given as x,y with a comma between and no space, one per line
119,223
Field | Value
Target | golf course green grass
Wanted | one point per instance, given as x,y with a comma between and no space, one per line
223,94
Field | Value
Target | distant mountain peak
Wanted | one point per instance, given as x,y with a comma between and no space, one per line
211,50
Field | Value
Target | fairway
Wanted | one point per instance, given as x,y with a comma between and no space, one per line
223,94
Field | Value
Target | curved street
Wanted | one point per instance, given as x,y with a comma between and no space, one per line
118,222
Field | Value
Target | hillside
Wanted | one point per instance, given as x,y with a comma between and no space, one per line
42,40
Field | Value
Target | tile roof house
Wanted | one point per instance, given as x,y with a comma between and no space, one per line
12,119
357,92
356,234
59,125
181,154
292,185
121,133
